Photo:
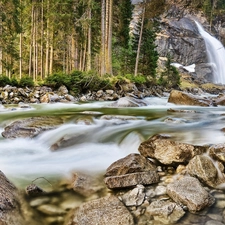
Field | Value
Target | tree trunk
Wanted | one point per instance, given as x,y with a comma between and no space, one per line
47,43
102,53
42,42
139,42
31,40
51,53
89,38
1,54
106,37
109,44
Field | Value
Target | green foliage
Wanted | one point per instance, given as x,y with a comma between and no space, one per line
26,81
170,77
14,82
78,82
4,80
56,80
139,79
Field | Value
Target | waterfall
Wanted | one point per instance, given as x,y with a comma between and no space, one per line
216,55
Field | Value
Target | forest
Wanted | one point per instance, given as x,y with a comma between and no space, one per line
44,37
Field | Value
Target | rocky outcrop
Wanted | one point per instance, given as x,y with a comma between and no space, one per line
167,151
108,210
189,192
31,127
179,38
182,98
132,170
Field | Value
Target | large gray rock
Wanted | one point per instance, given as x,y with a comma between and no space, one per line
202,167
167,151
182,98
165,211
132,163
31,127
129,171
188,191
104,211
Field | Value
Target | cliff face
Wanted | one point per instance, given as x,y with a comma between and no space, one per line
179,37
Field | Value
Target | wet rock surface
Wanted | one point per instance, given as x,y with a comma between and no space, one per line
167,151
182,98
31,127
132,170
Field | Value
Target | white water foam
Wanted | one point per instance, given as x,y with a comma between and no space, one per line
216,55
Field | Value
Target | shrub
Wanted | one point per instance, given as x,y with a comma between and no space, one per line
4,80
14,82
170,76
139,79
26,82
56,80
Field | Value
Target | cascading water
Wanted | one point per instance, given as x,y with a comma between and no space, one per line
216,55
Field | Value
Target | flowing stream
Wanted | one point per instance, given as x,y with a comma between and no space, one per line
96,142
98,135
216,55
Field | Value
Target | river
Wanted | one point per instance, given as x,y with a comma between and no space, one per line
97,141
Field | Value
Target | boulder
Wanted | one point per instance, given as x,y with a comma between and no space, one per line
189,192
165,211
31,127
202,167
167,151
129,102
130,171
132,179
132,163
9,203
182,98
107,210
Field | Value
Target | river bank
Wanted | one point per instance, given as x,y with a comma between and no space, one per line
44,94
